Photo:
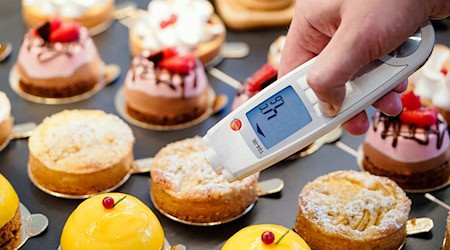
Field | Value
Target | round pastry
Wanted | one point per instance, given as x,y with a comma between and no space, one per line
189,25
6,120
251,14
166,88
412,149
352,210
185,186
432,81
80,152
58,59
259,237
112,221
275,51
90,14
10,220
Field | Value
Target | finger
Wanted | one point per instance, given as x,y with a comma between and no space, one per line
358,125
303,42
389,104
344,55
402,87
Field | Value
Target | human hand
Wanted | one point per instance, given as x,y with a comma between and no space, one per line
346,35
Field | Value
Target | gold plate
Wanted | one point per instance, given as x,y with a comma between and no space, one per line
101,27
214,223
120,104
20,131
32,225
71,196
106,78
359,161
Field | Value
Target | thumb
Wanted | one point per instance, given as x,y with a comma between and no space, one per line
347,51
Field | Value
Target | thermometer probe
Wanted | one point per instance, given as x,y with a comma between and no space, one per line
285,117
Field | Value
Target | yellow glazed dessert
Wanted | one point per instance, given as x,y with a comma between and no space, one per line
10,221
250,238
130,224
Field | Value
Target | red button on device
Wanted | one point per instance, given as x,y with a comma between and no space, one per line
236,124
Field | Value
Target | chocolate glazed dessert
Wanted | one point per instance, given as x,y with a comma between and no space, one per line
166,88
412,149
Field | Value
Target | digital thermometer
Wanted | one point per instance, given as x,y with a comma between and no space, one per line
285,117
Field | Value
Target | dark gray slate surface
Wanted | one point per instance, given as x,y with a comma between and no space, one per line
113,46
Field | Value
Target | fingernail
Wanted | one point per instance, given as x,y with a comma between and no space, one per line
328,109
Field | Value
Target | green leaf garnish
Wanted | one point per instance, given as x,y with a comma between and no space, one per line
282,236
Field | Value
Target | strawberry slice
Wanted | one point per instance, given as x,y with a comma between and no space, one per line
410,100
423,117
260,77
169,52
55,24
68,32
179,64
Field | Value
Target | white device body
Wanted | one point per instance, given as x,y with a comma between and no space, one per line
239,153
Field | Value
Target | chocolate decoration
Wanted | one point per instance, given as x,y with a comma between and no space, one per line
44,31
155,57
393,127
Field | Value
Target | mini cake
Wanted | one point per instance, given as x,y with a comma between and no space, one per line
262,78
189,25
6,120
185,186
250,14
351,210
412,149
166,88
58,59
80,152
432,81
112,221
10,220
89,13
275,51
259,237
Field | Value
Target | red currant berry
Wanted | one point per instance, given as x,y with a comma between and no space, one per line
108,202
444,71
267,237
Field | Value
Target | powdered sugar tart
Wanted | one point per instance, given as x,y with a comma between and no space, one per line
185,187
352,210
80,153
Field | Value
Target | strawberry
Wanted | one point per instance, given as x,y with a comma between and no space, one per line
165,23
179,64
55,24
68,32
260,77
444,71
410,101
169,52
423,117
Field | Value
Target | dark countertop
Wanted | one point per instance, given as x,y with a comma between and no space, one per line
113,47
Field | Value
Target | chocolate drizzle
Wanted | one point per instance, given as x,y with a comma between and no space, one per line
393,128
49,51
143,68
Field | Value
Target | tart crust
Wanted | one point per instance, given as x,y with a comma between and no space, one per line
6,129
352,210
185,186
95,16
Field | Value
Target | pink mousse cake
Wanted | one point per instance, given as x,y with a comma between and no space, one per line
166,87
412,149
58,59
